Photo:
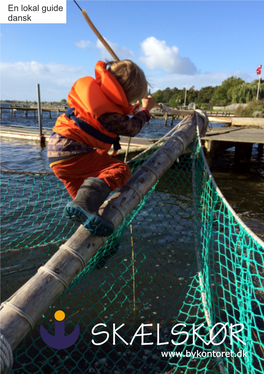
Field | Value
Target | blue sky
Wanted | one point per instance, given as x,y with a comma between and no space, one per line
198,42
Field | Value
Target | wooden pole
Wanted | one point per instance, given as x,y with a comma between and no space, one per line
26,307
39,111
97,33
185,95
182,112
258,87
166,119
260,151
133,270
127,150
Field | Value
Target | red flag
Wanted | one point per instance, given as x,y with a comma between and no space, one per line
258,71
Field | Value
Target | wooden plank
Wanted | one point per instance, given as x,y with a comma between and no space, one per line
239,121
240,136
221,130
219,119
136,142
176,112
247,121
20,130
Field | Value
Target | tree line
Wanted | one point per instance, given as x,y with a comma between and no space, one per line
232,90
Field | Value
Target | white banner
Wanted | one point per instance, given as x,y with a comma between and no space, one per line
33,11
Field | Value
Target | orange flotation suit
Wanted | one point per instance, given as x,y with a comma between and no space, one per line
88,99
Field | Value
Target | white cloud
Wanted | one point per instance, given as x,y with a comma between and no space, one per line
83,44
19,79
121,52
158,55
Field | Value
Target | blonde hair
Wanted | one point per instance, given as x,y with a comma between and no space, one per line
131,77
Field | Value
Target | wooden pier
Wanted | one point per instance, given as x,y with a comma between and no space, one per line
215,141
228,118
221,138
238,132
26,109
172,115
30,134
160,114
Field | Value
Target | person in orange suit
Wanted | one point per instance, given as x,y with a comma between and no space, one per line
99,111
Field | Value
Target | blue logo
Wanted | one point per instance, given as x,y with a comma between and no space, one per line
59,340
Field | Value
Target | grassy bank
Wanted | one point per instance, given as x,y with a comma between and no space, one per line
254,108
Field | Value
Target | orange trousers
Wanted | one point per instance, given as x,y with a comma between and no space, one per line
97,164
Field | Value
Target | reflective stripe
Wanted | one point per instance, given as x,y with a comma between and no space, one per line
86,127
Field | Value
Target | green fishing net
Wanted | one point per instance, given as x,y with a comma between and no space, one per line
167,293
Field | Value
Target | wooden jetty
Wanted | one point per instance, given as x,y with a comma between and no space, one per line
238,121
136,146
228,118
26,109
172,114
160,113
241,133
219,139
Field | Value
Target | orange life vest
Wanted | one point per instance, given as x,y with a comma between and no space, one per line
88,99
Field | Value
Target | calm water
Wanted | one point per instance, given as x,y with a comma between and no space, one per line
243,188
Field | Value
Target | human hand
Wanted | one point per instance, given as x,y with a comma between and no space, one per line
148,102
135,107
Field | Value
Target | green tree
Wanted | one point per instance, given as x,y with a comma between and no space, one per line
223,94
173,100
158,96
63,101
166,95
247,92
192,95
205,94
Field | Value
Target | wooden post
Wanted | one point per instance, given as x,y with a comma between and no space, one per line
258,87
172,120
26,113
127,150
27,305
166,119
42,139
50,114
243,151
247,151
260,151
133,270
237,154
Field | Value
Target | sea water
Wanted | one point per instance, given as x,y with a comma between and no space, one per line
243,187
